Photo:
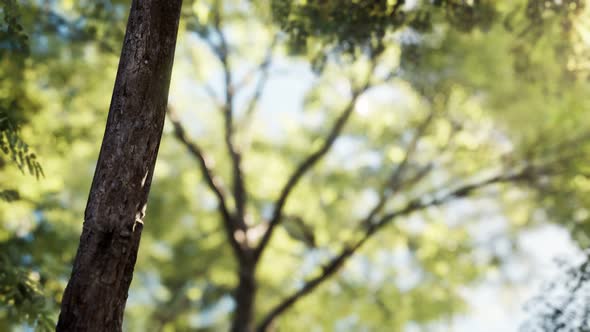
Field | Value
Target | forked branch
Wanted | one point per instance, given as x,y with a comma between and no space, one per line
304,167
332,267
212,181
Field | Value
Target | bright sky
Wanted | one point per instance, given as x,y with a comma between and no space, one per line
500,307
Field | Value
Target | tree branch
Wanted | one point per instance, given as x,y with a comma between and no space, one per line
207,88
526,174
211,93
238,186
394,182
329,269
211,180
334,265
397,181
304,167
263,68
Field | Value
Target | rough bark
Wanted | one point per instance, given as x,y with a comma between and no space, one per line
95,297
245,296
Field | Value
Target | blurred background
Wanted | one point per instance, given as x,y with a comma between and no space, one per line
464,126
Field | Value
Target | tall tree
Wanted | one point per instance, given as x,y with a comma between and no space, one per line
95,297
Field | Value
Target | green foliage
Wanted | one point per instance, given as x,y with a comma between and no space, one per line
12,36
368,23
23,300
350,24
500,95
13,51
17,150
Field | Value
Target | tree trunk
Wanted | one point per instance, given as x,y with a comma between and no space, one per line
95,297
245,295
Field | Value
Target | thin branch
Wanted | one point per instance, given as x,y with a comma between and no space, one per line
238,186
304,167
211,180
334,265
526,174
426,169
210,91
328,270
221,51
394,181
195,150
263,68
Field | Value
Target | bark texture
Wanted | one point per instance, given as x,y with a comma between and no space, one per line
95,297
245,296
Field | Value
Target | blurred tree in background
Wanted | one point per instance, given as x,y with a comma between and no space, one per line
379,141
